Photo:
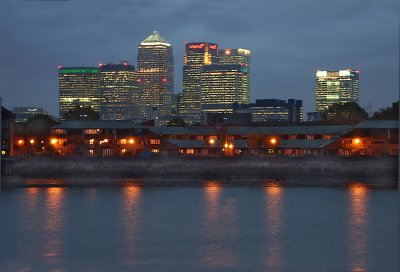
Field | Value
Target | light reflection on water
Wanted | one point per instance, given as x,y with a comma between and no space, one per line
274,228
219,228
358,232
54,225
130,222
40,230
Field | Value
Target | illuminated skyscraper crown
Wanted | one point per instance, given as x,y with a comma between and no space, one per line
155,39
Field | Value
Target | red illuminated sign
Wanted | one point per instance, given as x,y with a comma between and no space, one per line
196,46
214,47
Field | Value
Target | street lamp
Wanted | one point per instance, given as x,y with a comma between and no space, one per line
272,141
31,141
357,141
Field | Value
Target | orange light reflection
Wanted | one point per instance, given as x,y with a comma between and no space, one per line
131,222
54,224
274,225
219,224
358,220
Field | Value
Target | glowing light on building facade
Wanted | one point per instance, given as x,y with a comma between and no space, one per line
238,56
119,92
156,73
223,85
336,87
196,56
78,86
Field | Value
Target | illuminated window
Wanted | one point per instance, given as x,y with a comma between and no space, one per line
327,137
190,151
123,141
155,141
91,141
91,152
310,137
3,152
90,131
155,150
58,131
199,137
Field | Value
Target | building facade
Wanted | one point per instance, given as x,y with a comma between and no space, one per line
78,86
124,138
156,73
336,87
120,97
196,56
238,56
273,111
222,85
22,113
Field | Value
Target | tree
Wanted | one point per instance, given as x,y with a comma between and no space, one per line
345,114
38,125
177,122
81,113
254,141
388,113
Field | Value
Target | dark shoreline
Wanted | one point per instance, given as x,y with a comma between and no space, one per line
377,172
20,182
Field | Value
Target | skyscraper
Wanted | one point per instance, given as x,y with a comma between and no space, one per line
119,92
156,73
238,56
196,56
221,86
78,86
336,87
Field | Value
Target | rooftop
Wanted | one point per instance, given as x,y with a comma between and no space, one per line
101,124
155,39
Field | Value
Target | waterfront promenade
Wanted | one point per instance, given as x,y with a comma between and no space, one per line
192,171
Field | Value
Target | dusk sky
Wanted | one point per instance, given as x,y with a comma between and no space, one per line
289,40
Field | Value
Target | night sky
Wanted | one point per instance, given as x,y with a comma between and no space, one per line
289,41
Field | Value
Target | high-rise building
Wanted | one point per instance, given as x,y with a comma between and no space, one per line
196,56
119,92
238,56
78,86
221,86
156,73
23,113
336,87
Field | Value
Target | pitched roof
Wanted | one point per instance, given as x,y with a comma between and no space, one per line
183,130
155,38
378,124
102,124
286,130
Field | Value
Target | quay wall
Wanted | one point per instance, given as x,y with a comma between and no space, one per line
233,170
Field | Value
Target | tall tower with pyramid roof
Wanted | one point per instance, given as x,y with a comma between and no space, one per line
156,73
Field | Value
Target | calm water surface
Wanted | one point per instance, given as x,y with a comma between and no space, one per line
207,228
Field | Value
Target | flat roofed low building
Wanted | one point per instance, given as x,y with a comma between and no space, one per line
274,111
23,113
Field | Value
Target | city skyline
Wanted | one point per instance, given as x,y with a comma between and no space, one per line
35,47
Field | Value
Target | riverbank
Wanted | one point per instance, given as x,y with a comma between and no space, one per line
196,171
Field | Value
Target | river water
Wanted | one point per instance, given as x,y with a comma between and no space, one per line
208,228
